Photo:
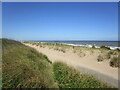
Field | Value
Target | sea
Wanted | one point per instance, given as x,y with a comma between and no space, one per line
111,44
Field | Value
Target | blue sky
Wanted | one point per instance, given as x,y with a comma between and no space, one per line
60,21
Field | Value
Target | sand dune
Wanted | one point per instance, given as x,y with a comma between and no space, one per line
87,64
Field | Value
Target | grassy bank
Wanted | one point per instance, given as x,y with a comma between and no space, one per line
24,67
68,77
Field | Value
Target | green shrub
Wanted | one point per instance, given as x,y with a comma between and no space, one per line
93,46
105,47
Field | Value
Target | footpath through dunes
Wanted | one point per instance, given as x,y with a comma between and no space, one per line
86,64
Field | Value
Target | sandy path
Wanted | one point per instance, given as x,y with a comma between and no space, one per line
88,64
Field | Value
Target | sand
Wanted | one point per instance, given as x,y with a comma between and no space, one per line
87,64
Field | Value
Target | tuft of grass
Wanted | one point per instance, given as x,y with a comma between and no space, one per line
59,49
68,77
56,48
62,50
24,67
115,61
108,56
100,58
81,53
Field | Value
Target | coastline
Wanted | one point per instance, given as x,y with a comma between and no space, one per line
84,45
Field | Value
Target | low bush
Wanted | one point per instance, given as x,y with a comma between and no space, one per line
93,46
105,47
115,61
100,58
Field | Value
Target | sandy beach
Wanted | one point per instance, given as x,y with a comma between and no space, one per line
87,63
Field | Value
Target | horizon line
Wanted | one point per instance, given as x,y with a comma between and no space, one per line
55,40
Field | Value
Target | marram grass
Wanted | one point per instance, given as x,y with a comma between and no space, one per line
24,67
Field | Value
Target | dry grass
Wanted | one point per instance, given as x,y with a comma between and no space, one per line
24,67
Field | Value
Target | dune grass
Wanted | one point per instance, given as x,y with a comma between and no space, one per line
115,61
68,77
24,67
106,53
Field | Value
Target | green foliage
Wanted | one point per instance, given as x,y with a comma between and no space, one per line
68,77
104,47
93,46
24,67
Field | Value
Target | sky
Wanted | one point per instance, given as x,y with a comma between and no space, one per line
0,20
60,20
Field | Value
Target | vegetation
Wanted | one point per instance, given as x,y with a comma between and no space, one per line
73,47
112,56
105,47
59,49
106,53
93,46
100,58
117,49
68,77
115,61
24,67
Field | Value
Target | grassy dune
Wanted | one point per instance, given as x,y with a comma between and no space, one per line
112,56
24,67
68,77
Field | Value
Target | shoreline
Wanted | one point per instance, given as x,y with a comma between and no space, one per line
87,45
